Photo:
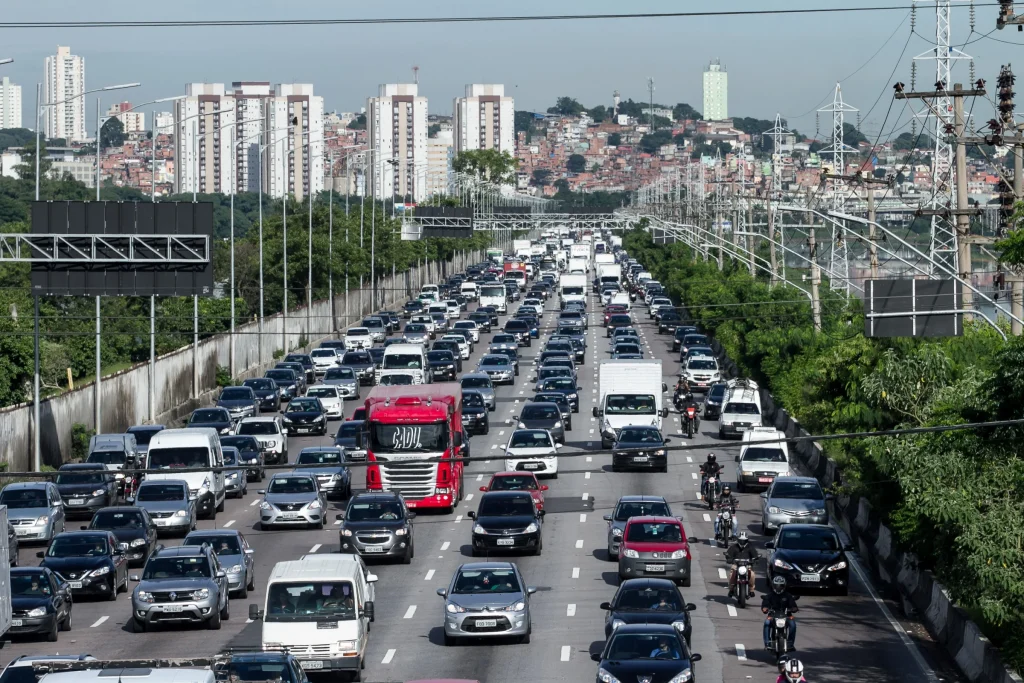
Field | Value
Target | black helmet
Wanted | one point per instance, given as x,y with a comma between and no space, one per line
726,490
689,396
741,540
778,584
712,457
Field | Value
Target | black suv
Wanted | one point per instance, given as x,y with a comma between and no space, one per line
253,665
377,525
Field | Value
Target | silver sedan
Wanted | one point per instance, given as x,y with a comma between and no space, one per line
487,600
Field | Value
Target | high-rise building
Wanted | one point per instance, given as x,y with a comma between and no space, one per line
293,161
64,83
164,121
133,121
10,104
484,119
397,124
440,154
716,92
250,114
202,139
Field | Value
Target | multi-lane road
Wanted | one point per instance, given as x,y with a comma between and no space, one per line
852,638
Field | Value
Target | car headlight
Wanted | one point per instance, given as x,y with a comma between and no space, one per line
205,486
346,645
235,569
315,505
679,625
45,519
606,677
98,492
100,571
660,451
558,425
837,566
271,444
252,461
292,387
617,623
747,474
225,430
181,513
818,511
37,612
727,423
143,596
517,607
119,475
137,542
617,533
782,564
287,420
772,510
531,528
522,426
454,609
679,554
320,418
629,552
477,529
335,477
683,676
266,506
346,532
201,594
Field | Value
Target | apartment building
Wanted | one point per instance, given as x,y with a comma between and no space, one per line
132,121
10,104
484,119
397,123
64,83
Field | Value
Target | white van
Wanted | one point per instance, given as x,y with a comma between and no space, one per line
175,449
431,291
319,607
741,409
758,464
470,291
404,359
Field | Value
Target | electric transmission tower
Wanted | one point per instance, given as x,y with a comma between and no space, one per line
839,264
776,231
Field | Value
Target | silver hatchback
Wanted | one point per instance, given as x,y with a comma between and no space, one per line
487,600
34,509
482,383
793,500
293,499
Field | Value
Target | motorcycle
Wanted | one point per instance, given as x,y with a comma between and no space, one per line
692,421
742,582
712,490
778,633
727,520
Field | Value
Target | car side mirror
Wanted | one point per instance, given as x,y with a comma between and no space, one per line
664,387
848,547
664,412
249,551
483,488
695,657
607,606
736,458
84,528
255,613
371,578
543,487
471,514
829,496
220,574
443,592
122,548
764,494
541,512
558,445
596,656
262,492
770,545
690,607
530,590
597,412
668,441
607,518
411,515
340,516
134,577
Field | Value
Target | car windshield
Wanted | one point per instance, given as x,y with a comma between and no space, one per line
646,508
808,538
654,532
190,566
23,498
358,332
357,358
259,427
304,405
559,383
630,404
496,361
628,348
640,435
647,598
108,457
717,392
322,392
117,519
403,361
548,371
157,492
235,394
222,545
519,325
558,399
513,483
311,601
503,339
373,322
506,506
281,375
530,438
440,356
387,510
291,485
396,380
695,340
30,585
340,373
540,412
737,408
323,353
763,454
627,646
472,399
695,364
413,438
415,327
80,477
91,545
619,319
472,581
230,457
318,458
797,490
349,429
144,434
476,382
209,415
245,444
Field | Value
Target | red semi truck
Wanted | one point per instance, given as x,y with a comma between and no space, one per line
407,425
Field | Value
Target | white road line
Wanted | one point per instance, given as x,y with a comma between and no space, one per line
741,652
575,572
570,610
689,459
337,522
315,548
479,477
494,446
469,496
583,517
586,496
698,495
586,475
707,517
566,651
229,523
732,610
458,518
99,621
487,462
410,612
693,474
591,431
447,544
429,576
254,503
501,433
579,543
590,459
722,574
388,656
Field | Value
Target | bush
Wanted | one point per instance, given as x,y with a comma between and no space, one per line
224,378
80,435
278,353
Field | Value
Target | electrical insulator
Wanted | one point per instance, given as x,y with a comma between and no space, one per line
1005,13
1006,205
1005,84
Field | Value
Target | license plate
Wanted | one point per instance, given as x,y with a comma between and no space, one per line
639,458
506,541
486,623
764,480
374,549
172,608
303,430
76,501
810,578
290,518
532,466
160,522
74,584
16,622
311,664
22,532
654,567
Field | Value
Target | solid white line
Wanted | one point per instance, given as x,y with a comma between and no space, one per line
566,651
410,612
388,656
315,548
429,576
458,518
741,652
732,610
586,496
583,517
575,572
99,621
722,574
570,610
229,523
446,545
579,543
586,475
469,496
479,477
707,517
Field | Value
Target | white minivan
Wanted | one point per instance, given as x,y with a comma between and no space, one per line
759,463
319,608
470,291
404,359
199,449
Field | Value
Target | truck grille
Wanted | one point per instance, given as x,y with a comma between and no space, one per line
413,480
311,651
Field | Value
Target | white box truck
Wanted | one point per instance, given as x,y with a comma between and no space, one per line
608,273
494,295
580,251
578,265
6,614
630,392
521,248
572,288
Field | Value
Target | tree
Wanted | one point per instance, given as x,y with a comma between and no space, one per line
26,170
567,106
359,123
541,176
112,133
562,185
577,163
684,111
652,142
852,136
524,120
433,129
488,164
614,139
15,137
599,113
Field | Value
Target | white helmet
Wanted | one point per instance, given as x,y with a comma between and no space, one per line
794,670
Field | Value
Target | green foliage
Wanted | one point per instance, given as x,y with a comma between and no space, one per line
1012,246
599,113
852,136
15,137
488,164
224,378
112,133
614,139
684,111
576,163
433,129
278,354
652,142
541,177
906,141
80,435
567,106
523,120
359,123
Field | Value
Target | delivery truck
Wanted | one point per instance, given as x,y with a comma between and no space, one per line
631,392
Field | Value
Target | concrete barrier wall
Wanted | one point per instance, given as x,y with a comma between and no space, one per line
124,398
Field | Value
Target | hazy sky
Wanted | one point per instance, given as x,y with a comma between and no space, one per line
783,63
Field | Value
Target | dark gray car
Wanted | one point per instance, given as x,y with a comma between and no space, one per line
377,525
167,502
362,363
184,585
267,392
234,554
239,401
218,419
542,416
328,465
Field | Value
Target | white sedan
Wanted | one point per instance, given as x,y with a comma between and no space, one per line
331,399
358,338
532,450
461,341
469,325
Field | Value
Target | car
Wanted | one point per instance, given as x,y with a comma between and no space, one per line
623,351
236,665
235,555
532,322
492,314
328,465
474,413
520,329
713,400
640,447
809,556
668,320
236,483
481,382
359,338
646,652
482,320
300,374
616,321
292,499
132,526
92,562
347,437
464,343
486,600
267,393
239,402
362,363
546,416
168,504
41,603
325,359
518,481
250,454
378,329
614,309
648,601
377,524
189,572
564,386
416,333
305,416
632,506
655,546
741,412
470,326
442,365
793,500
758,464
270,432
287,383
337,344
411,308
504,340
346,380
13,546
330,398
357,414
85,488
559,400
440,320
532,450
143,433
692,339
507,521
392,319
498,367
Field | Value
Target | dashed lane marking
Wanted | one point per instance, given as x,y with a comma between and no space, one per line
590,459
586,475
689,459
229,523
315,548
446,545
254,503
99,622
566,652
410,612
575,572
469,496
570,610
732,610
586,496
707,517
722,574
579,543
741,652
479,477
458,518
583,517
693,474
388,656
429,576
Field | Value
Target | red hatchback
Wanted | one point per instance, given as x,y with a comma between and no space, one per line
655,547
518,481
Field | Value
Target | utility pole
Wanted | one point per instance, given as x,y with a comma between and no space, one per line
815,280
650,90
839,262
775,191
860,179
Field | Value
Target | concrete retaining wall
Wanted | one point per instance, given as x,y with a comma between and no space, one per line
124,398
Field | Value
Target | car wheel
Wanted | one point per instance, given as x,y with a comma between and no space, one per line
264,527
225,613
214,622
220,506
243,592
252,583
721,434
66,624
487,427
51,636
685,583
114,590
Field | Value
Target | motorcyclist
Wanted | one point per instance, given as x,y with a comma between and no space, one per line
726,501
778,599
741,550
682,388
709,468
792,672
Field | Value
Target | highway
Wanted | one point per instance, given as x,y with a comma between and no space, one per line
840,638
